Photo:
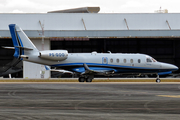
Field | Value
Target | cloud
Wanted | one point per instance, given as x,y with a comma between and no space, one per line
17,11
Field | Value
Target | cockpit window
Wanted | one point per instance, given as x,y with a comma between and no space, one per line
154,60
148,60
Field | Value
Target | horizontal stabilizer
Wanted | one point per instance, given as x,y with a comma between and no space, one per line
8,47
17,47
26,48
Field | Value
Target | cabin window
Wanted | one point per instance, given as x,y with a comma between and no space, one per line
139,60
148,60
124,60
52,54
117,60
131,60
105,60
111,60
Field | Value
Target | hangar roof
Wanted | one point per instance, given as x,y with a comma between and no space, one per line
94,24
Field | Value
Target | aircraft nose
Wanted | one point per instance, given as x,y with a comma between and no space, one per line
175,67
169,66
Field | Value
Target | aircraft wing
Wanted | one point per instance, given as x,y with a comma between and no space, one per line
99,72
55,70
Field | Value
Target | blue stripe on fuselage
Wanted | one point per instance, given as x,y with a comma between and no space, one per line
104,65
117,68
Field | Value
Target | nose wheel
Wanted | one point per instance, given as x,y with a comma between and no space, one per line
158,79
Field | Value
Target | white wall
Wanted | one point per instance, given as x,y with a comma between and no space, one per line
93,21
33,70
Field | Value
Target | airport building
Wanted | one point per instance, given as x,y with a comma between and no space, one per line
85,30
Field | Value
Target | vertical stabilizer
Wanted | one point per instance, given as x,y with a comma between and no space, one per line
20,40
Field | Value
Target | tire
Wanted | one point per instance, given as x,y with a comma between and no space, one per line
89,79
158,80
81,79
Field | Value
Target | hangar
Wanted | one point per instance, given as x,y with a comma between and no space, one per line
155,34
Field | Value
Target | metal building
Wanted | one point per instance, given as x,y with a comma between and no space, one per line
156,34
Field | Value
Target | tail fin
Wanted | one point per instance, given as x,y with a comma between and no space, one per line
20,40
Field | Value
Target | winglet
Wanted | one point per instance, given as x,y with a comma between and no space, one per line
7,47
47,67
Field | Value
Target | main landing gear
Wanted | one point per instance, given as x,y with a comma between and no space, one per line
86,78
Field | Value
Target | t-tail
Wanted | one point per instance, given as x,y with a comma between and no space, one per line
22,44
24,48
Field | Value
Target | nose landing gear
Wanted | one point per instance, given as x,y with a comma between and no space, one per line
158,79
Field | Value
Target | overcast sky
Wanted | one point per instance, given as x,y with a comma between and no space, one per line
106,6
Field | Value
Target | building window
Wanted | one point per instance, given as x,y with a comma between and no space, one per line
111,60
117,60
124,60
139,60
131,60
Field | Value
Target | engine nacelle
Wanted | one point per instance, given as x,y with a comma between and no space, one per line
54,54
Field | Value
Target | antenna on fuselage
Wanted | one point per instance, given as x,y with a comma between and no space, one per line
109,52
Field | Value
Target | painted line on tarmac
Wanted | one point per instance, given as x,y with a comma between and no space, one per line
170,96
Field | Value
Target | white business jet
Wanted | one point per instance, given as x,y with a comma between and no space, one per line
87,64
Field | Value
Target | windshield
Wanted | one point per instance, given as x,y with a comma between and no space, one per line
154,60
148,60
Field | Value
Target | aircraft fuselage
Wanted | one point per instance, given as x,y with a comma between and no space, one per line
120,63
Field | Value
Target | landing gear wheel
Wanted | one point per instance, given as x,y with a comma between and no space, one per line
89,79
81,79
158,80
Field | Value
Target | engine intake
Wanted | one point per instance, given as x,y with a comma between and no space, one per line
54,54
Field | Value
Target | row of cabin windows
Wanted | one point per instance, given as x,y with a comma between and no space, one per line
131,60
124,60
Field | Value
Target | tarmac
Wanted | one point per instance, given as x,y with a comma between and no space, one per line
87,101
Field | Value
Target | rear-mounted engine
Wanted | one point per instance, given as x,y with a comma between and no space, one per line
54,54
